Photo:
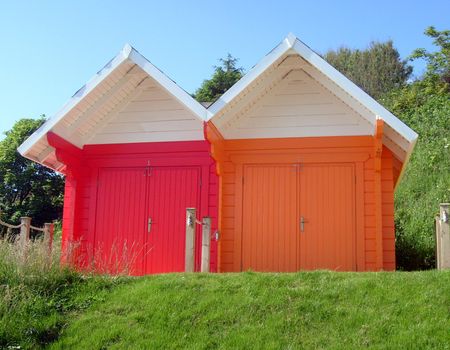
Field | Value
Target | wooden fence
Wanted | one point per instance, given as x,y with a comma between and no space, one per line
191,222
25,228
443,237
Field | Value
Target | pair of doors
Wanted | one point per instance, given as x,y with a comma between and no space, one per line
141,218
298,217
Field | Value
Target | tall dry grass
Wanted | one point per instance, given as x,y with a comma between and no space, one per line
37,293
26,262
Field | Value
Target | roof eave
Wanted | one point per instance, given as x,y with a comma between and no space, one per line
412,145
181,95
293,43
353,90
123,55
127,53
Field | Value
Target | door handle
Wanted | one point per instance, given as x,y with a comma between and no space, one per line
302,224
149,225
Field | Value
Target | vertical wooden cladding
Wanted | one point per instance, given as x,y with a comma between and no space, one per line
108,203
119,240
277,197
269,225
387,212
170,192
337,183
327,203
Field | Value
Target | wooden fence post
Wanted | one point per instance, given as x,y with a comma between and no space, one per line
443,237
48,235
206,243
190,240
25,221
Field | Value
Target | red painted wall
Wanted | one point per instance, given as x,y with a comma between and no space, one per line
83,208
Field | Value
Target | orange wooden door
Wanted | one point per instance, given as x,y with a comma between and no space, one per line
269,226
327,204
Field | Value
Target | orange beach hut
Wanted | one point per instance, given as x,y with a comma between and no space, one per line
307,164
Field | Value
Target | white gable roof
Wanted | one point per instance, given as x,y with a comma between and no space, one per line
254,94
108,110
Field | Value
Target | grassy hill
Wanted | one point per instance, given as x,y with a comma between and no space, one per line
271,311
44,305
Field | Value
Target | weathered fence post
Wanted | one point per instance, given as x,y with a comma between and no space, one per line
25,222
443,237
48,235
190,240
206,242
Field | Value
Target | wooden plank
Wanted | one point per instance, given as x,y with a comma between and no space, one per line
118,137
190,239
300,142
306,131
443,237
48,235
360,209
25,221
378,147
206,242
237,256
152,126
98,104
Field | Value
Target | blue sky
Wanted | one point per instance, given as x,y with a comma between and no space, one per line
51,48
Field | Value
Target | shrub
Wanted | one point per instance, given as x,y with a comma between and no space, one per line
426,181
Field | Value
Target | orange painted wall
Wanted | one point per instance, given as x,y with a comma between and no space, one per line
358,150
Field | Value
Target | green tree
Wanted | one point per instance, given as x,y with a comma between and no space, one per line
377,69
224,77
27,188
438,62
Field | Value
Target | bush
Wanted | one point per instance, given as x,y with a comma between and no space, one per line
426,181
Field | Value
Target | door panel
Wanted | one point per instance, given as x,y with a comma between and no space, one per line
120,220
269,232
327,195
170,191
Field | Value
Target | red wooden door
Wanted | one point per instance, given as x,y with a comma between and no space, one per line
170,191
269,232
120,221
327,205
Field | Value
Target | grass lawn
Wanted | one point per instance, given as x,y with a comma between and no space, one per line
272,311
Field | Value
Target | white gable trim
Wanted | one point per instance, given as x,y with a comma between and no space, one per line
293,44
180,94
252,74
352,89
127,53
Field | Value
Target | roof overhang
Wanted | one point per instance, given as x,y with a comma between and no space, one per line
398,137
111,88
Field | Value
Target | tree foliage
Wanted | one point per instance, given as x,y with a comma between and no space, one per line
224,77
377,69
438,62
28,188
